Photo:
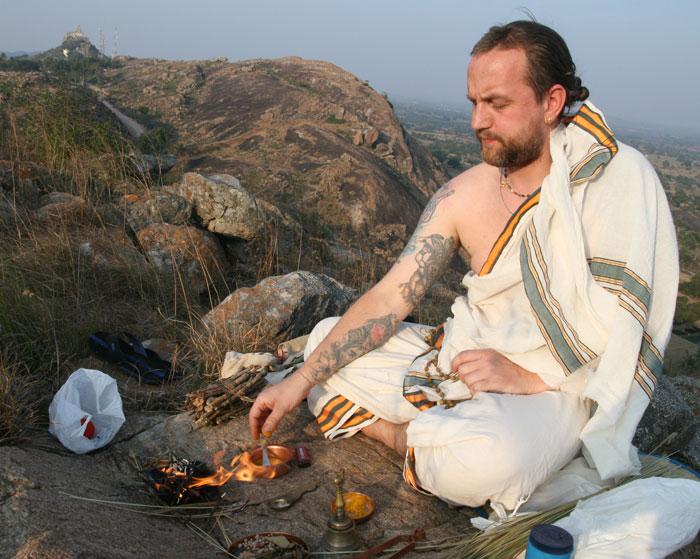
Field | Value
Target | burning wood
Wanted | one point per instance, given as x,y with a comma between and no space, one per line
178,481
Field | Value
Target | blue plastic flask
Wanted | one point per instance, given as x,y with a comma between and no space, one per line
547,541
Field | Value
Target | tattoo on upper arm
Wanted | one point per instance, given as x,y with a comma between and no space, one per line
428,213
358,341
431,207
432,257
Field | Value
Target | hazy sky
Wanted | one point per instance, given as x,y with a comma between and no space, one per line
638,58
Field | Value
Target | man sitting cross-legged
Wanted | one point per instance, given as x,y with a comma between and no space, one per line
558,342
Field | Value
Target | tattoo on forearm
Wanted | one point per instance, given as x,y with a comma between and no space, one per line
432,257
357,342
428,213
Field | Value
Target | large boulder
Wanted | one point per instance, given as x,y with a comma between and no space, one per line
281,307
668,413
157,207
145,164
190,254
60,206
222,204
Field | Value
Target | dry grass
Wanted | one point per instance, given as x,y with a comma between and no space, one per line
53,295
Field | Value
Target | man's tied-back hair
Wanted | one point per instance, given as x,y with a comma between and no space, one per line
548,58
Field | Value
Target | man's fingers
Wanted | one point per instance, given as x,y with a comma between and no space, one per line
258,414
466,356
272,421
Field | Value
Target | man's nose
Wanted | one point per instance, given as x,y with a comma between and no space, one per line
479,118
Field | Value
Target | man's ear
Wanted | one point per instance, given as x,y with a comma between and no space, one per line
555,101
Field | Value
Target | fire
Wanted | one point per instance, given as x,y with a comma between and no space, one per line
180,481
217,479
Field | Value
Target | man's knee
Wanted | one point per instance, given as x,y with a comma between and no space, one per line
319,332
475,471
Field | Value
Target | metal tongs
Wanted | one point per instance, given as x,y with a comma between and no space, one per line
417,536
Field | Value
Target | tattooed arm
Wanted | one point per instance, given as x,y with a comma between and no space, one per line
373,319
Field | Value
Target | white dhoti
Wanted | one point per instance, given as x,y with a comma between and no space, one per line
494,447
580,289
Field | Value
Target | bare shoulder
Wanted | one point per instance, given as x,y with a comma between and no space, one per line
468,186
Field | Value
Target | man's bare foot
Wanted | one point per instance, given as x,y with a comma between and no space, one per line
392,435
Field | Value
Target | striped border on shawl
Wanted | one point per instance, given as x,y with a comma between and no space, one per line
562,339
634,294
508,231
339,413
597,157
592,122
412,392
649,366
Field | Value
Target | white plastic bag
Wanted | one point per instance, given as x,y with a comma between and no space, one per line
92,397
645,519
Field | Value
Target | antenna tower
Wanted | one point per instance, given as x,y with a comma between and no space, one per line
116,38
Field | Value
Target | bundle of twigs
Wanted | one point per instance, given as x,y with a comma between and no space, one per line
226,398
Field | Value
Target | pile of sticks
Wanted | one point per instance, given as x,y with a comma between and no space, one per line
226,398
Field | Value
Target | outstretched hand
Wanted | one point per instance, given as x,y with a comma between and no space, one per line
486,370
276,401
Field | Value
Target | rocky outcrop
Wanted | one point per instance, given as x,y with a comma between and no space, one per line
222,205
306,136
668,418
156,207
146,164
186,253
60,206
281,307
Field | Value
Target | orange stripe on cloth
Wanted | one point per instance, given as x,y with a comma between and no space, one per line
326,410
357,418
337,415
419,400
507,232
409,471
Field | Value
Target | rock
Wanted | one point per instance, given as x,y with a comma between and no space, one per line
678,355
369,467
383,150
145,164
690,388
8,212
114,252
358,138
691,453
281,307
191,254
159,207
371,136
221,203
667,413
60,206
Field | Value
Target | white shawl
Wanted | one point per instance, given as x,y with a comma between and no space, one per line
582,288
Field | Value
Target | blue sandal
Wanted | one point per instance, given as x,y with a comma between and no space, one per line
128,353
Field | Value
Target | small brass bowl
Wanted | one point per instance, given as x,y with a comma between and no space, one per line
358,506
254,544
249,464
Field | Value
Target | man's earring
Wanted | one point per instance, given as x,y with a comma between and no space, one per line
547,120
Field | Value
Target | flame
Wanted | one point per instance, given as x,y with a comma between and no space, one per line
217,479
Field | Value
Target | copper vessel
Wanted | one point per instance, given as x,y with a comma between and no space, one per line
248,465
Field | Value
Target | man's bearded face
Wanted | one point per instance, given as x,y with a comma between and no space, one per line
516,151
507,118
